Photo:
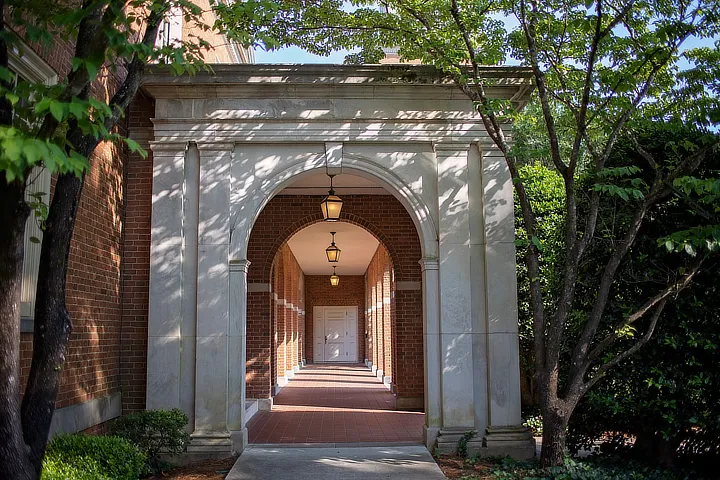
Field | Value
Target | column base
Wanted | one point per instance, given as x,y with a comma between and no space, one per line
265,404
514,441
430,436
296,368
289,374
379,374
239,439
210,443
449,438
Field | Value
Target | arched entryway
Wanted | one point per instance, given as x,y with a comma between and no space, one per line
383,289
227,143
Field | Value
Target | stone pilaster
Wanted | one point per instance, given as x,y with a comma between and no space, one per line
504,434
433,354
211,432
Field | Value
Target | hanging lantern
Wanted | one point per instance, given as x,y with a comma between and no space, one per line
331,205
334,279
332,252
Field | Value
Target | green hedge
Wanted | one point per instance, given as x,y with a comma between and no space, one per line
89,457
154,432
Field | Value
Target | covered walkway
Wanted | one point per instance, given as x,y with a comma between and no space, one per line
329,404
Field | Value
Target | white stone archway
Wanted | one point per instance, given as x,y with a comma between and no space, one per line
226,143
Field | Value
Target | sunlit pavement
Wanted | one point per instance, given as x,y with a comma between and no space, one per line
346,463
335,404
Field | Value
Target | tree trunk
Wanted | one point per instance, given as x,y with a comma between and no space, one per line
52,320
555,423
14,462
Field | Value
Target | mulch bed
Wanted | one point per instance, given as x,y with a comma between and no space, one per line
456,467
205,470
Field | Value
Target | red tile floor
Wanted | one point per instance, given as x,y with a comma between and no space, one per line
335,404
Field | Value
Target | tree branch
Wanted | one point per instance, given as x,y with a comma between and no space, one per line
674,288
598,374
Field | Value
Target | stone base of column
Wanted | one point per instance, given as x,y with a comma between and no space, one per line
289,374
265,404
379,374
239,440
296,368
514,441
409,403
282,381
449,438
430,435
388,382
210,443
373,368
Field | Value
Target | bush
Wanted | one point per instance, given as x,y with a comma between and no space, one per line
154,432
88,457
594,468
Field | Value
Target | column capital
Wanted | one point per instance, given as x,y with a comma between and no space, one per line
168,146
450,147
207,146
429,264
239,265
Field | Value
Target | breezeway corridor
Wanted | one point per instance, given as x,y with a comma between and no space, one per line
331,404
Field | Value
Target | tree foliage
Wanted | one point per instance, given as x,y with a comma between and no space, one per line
57,127
598,67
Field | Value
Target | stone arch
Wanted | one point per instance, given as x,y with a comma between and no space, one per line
264,266
415,206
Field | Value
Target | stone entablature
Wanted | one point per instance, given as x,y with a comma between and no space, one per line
226,142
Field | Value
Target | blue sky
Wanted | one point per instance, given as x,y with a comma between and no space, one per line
296,55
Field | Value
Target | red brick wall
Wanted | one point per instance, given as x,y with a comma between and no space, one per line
319,292
136,259
92,366
382,215
275,331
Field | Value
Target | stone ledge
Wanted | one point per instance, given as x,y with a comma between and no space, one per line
81,416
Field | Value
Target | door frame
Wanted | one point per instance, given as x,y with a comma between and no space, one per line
351,339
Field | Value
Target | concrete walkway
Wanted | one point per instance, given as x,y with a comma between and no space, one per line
346,463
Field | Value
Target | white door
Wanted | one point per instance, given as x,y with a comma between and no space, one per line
335,334
335,324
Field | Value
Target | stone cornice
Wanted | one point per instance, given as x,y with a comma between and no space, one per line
330,74
332,81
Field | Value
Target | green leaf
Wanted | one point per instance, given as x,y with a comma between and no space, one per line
57,110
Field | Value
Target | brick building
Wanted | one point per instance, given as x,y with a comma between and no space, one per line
198,278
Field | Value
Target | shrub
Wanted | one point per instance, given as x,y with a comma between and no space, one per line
594,468
154,432
88,457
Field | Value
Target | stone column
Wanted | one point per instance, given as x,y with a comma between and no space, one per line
191,212
213,299
505,434
458,399
237,355
433,355
166,272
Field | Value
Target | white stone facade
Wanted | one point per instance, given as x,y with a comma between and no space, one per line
225,143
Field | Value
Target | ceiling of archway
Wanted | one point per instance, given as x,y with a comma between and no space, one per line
357,244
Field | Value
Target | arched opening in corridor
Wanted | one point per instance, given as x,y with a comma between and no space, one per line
343,363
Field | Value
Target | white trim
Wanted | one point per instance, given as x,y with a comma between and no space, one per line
23,60
258,287
408,285
26,63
